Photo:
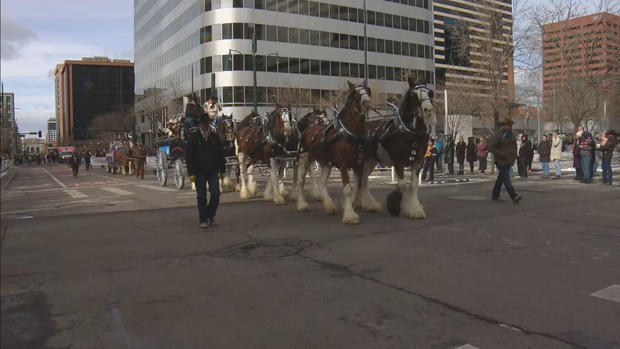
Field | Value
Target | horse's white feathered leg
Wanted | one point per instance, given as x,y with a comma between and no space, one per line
302,168
328,203
252,186
316,190
244,192
278,199
411,207
348,215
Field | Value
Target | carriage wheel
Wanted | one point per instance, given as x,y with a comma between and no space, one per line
179,174
162,167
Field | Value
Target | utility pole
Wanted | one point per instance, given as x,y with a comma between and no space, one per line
254,87
365,47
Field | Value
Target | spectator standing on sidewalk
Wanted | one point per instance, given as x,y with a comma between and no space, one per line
460,154
525,154
504,148
439,144
481,153
576,156
544,151
471,154
450,154
585,155
556,153
607,145
596,155
429,160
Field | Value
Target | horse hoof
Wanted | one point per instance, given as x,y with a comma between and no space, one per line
376,207
351,219
303,207
279,201
415,214
244,195
330,211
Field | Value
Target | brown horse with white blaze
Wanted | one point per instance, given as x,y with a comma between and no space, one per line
342,145
266,141
402,143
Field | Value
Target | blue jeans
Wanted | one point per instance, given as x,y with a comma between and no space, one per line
558,168
545,166
586,167
207,210
607,174
503,177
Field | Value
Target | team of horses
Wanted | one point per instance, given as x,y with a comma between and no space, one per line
350,142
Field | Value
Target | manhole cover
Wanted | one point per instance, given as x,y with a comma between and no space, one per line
469,198
266,248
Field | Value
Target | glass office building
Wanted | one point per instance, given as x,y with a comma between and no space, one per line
306,50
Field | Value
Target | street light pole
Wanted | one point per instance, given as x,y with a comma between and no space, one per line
365,47
255,88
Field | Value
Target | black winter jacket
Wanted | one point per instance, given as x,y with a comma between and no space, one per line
460,152
204,156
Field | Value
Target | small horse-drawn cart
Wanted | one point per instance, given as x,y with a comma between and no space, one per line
171,155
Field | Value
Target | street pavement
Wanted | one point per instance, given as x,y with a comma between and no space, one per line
105,261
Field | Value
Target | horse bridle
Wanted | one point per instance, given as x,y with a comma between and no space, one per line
230,129
430,95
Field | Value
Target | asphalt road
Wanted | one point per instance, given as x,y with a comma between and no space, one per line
103,261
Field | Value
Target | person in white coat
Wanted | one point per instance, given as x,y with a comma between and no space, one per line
556,153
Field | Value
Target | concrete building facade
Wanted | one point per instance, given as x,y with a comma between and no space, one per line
90,90
319,45
51,136
8,125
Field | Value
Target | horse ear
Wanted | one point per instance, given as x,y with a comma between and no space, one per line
351,85
411,81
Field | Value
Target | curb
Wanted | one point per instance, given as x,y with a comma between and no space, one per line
7,177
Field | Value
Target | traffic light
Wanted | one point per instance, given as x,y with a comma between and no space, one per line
39,134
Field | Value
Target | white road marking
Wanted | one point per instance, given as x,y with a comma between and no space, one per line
54,178
466,346
611,293
117,191
75,194
31,186
154,187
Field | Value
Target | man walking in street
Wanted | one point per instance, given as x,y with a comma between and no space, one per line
544,152
74,162
450,154
460,154
504,148
87,164
205,161
556,153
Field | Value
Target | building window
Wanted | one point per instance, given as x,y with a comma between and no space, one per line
238,95
325,68
259,4
207,5
282,34
282,64
293,35
324,10
293,65
304,66
272,33
238,62
227,94
303,7
293,6
238,3
237,30
205,34
315,67
304,37
272,5
282,5
313,8
226,31
272,64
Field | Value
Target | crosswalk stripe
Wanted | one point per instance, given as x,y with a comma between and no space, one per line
154,187
75,194
117,191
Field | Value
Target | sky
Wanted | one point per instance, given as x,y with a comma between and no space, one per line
38,34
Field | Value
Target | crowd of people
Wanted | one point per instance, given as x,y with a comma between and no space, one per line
589,152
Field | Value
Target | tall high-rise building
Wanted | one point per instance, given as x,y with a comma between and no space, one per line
8,126
51,131
582,53
460,61
305,52
93,90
